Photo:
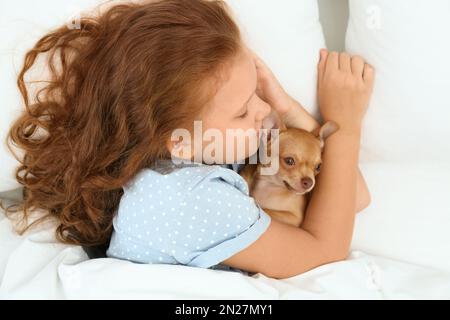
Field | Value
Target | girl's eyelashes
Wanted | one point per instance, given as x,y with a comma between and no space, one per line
244,115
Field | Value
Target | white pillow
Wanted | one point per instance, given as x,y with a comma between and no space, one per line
405,152
407,41
286,34
21,26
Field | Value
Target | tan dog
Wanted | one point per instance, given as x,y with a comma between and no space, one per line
284,195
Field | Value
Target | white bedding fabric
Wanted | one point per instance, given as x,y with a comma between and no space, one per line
36,266
405,131
407,219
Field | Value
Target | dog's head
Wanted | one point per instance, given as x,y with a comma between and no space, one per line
299,154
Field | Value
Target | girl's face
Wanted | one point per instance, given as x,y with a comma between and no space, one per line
229,128
237,112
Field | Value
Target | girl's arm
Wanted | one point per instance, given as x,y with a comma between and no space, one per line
298,117
283,250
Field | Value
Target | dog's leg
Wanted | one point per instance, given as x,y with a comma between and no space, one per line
285,216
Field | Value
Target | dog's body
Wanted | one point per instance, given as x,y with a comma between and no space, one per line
285,194
277,201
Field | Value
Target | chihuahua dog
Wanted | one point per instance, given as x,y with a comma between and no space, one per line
285,194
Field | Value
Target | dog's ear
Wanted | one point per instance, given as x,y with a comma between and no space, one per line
324,131
274,121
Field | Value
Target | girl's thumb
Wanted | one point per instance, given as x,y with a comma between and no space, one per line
323,53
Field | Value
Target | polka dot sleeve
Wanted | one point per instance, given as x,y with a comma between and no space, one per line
222,219
192,216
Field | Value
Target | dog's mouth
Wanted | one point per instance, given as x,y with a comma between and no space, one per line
297,192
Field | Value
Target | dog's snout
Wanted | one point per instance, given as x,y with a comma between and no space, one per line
306,182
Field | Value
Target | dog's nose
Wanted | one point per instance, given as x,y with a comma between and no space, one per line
306,182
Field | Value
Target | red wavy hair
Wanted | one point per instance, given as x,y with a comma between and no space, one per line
120,84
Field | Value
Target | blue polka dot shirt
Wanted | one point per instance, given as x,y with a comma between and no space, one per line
190,214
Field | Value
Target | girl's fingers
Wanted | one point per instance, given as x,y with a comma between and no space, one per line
322,64
357,65
344,62
368,73
257,61
260,64
261,67
256,58
260,73
332,61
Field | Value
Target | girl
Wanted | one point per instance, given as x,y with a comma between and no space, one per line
122,84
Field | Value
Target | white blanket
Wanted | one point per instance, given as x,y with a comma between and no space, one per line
36,266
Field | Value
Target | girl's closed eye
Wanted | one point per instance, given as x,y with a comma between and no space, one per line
244,114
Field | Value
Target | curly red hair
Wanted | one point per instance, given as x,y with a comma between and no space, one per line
119,86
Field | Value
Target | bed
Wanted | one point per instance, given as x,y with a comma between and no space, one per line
401,243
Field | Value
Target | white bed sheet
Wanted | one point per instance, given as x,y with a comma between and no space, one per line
36,266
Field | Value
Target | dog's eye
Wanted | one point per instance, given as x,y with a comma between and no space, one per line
289,161
318,167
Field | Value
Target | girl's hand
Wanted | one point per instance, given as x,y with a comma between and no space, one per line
344,88
269,89
289,110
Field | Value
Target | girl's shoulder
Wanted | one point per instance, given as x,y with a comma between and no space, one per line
196,215
168,176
